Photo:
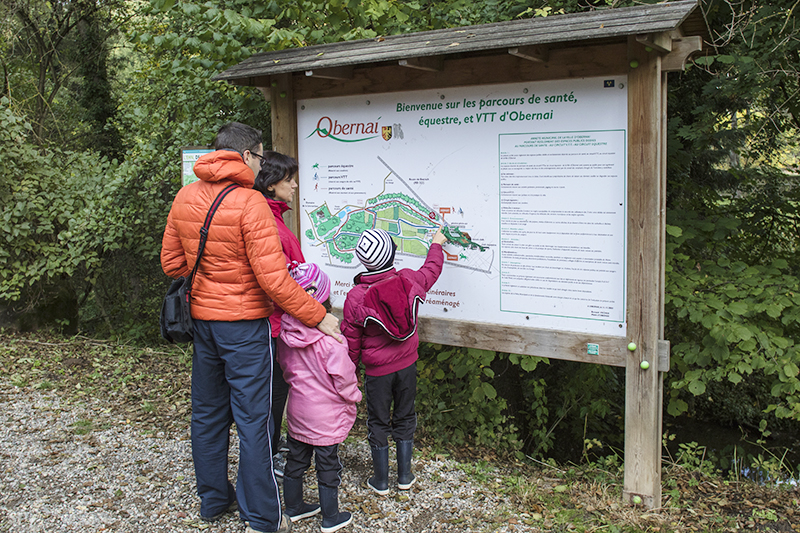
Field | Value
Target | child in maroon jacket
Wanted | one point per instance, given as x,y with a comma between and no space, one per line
380,324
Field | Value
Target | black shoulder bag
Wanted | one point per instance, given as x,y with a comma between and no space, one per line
176,311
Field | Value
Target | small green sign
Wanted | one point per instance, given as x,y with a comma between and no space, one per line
189,156
593,349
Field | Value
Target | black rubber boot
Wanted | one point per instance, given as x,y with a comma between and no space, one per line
379,482
332,519
296,508
405,478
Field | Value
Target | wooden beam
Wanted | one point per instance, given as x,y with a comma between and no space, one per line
284,115
658,41
537,54
562,345
429,64
284,131
663,215
568,346
572,62
643,386
334,73
682,50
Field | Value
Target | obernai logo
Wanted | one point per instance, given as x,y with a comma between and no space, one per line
386,133
328,128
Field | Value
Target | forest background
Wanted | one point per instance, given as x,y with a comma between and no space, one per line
98,97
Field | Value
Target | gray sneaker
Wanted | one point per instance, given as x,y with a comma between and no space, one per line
284,527
278,465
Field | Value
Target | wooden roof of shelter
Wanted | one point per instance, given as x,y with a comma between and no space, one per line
523,38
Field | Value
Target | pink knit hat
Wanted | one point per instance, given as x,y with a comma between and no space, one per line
310,275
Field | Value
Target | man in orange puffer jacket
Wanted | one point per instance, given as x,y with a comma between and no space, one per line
242,269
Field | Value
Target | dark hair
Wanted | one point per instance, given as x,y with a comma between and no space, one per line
275,167
327,305
237,136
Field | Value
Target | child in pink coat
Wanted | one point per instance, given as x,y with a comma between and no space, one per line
321,407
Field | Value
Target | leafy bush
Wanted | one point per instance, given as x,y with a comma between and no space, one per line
730,319
457,402
57,219
513,403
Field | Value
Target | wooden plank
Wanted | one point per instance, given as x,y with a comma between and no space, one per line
284,132
537,54
430,64
567,346
284,115
643,387
682,50
252,81
442,45
662,261
529,341
564,63
451,41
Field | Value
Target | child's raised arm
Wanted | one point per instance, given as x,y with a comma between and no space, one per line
429,272
439,237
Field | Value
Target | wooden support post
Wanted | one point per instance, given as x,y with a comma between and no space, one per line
645,291
284,130
662,209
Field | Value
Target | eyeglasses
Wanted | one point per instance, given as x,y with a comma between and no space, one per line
261,157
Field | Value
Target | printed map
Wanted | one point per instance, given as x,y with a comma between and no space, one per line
410,220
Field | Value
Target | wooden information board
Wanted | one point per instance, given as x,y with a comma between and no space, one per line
386,93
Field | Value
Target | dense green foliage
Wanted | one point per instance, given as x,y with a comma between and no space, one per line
734,192
502,401
97,99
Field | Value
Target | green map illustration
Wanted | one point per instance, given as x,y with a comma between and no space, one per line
404,215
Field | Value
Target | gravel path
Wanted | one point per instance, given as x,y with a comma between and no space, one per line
82,467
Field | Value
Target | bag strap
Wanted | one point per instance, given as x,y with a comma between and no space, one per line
204,230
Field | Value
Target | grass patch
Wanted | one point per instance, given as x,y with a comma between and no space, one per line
149,385
82,427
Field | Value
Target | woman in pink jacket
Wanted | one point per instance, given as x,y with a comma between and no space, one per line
277,182
323,392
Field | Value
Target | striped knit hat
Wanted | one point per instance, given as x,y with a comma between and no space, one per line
310,275
375,249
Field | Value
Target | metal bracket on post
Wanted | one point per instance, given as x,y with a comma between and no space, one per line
663,355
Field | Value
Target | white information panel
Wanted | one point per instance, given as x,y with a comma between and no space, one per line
189,157
529,181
